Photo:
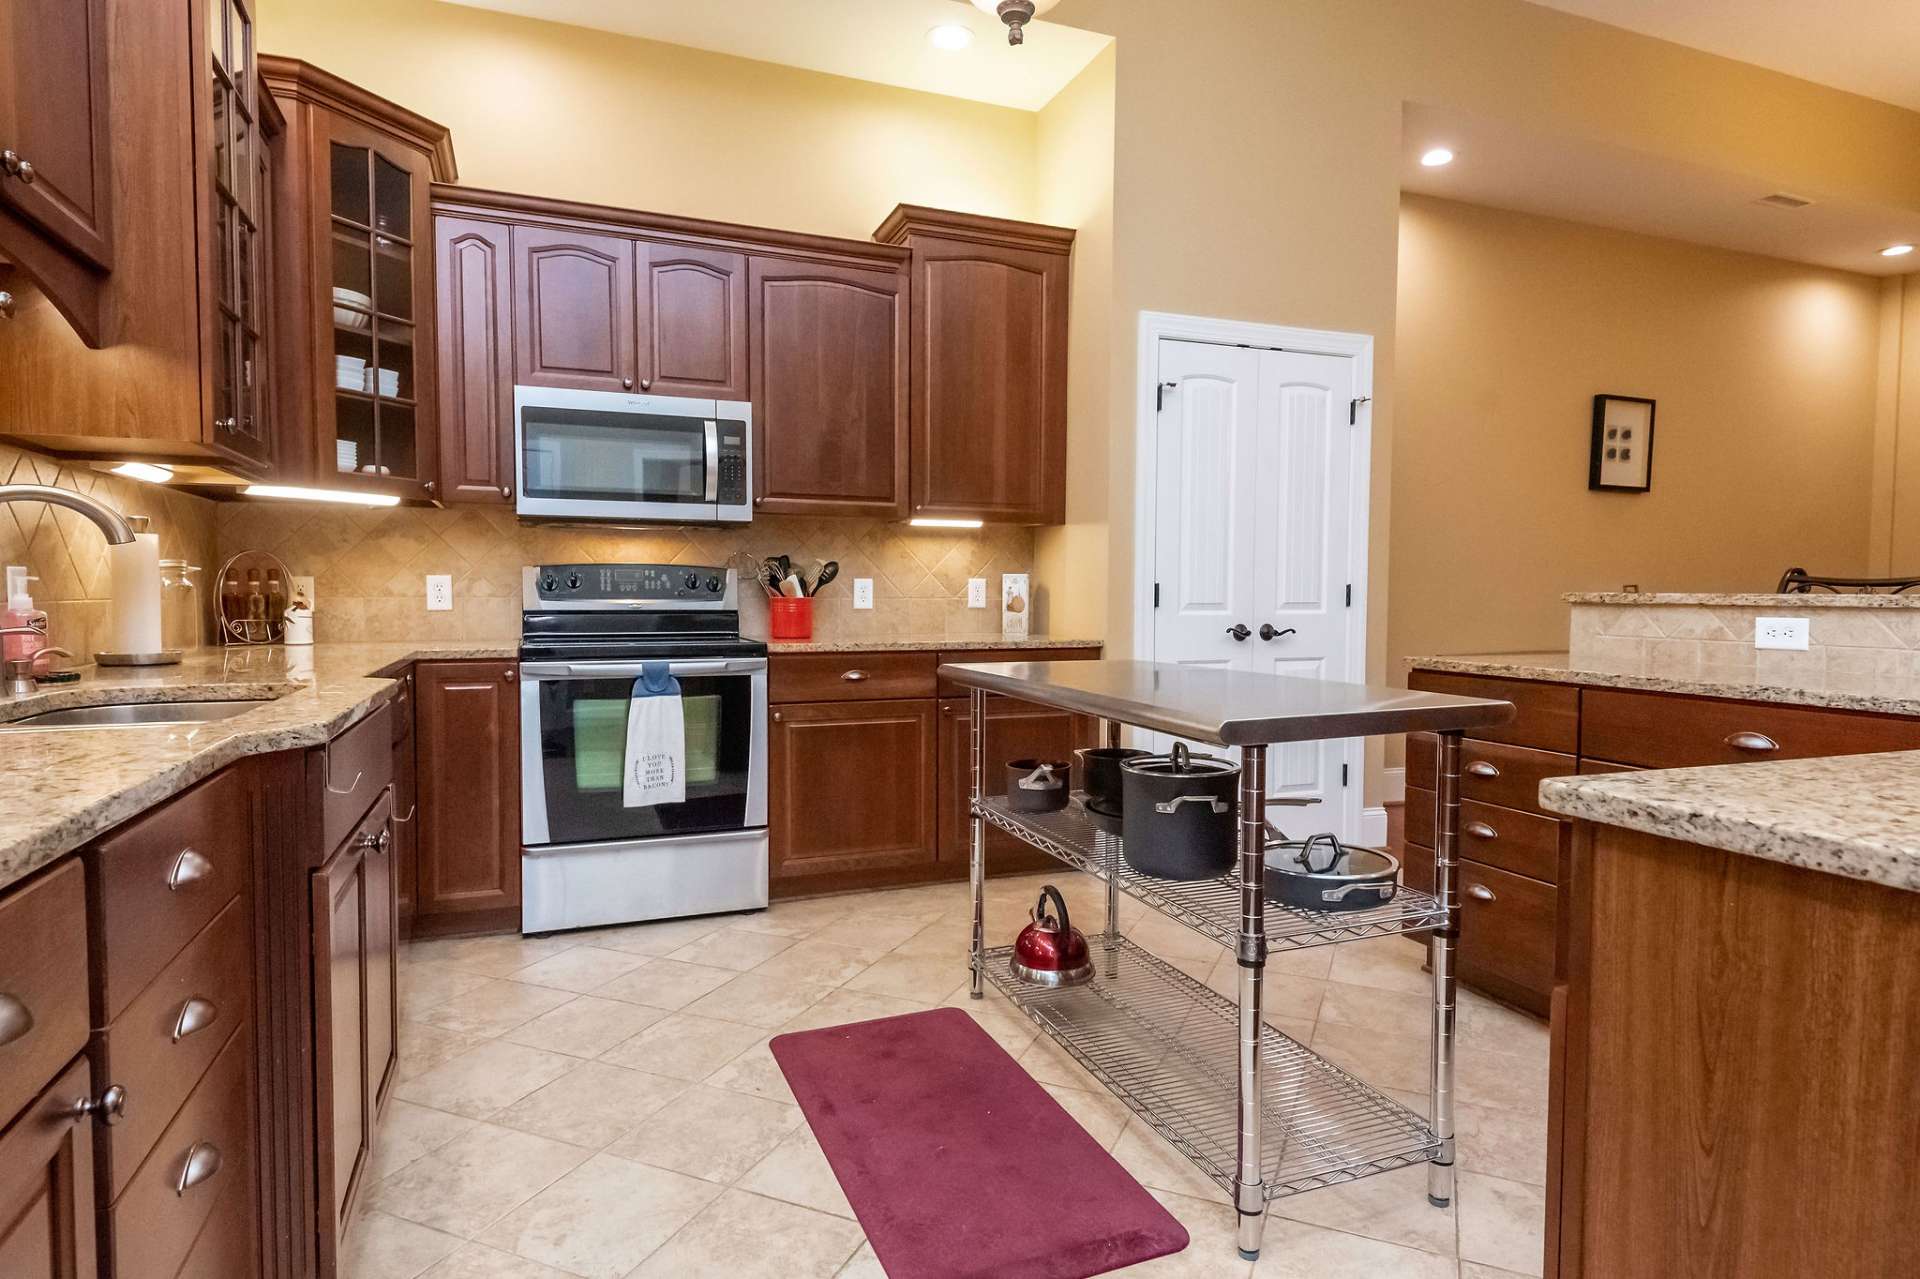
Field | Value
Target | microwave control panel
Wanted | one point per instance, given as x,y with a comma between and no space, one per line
733,463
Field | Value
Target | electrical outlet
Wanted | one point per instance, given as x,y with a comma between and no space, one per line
439,592
863,592
976,592
1780,632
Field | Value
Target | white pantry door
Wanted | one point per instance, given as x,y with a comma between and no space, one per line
1253,529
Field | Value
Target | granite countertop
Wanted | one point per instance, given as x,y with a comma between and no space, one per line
928,644
1787,603
1853,815
1895,697
65,786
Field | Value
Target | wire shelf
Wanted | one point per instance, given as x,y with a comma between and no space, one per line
1168,1047
1211,907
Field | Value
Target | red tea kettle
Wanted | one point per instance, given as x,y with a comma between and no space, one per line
1050,951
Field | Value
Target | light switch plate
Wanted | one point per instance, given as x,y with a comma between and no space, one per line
863,592
1780,632
976,592
439,592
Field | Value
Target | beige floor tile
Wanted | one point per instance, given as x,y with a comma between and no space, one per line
426,986
477,1261
1283,996
1170,940
755,999
1102,1114
1502,1081
684,1046
796,919
1294,1250
819,962
581,969
1211,1252
485,1078
927,978
1384,963
1158,1166
407,1132
869,933
797,1171
784,1241
593,1105
1474,1270
494,1008
585,1026
754,1072
384,1247
1315,961
471,1182
1010,1028
495,955
601,1219
710,1133
1393,1012
1385,1061
863,1265
1494,1027
1392,1207
422,1047
843,1006
738,949
666,983
1502,1223
949,940
660,938
1047,1062
1502,1143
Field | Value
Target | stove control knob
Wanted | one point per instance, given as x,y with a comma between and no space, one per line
573,581
713,584
549,583
693,581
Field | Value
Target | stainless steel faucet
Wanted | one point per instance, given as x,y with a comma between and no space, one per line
109,521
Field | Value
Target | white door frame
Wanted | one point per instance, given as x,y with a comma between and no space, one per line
1156,325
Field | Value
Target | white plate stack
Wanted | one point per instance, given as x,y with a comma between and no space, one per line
350,372
388,386
346,455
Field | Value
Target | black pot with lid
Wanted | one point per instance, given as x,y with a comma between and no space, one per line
1321,873
1178,814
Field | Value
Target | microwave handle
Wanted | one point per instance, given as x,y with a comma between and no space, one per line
713,461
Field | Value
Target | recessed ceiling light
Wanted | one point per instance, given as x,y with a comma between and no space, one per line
950,36
1896,251
1436,157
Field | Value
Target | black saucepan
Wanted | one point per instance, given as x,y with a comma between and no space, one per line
1321,873
1178,814
1100,766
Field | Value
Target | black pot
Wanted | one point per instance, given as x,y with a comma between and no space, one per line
1100,766
1178,815
1037,785
1321,873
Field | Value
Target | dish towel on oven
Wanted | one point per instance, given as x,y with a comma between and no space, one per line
656,764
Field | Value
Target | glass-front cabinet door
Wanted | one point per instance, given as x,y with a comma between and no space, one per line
240,407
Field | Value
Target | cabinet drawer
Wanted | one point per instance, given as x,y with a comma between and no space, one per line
1524,843
1506,934
1490,772
359,765
226,1243
43,983
950,689
159,1048
849,677
161,879
202,1154
1657,730
1547,716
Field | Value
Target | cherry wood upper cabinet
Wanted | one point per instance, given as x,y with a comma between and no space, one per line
989,358
473,273
829,389
467,726
691,317
54,157
573,309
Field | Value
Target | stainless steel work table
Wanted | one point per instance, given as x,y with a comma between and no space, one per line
1259,1114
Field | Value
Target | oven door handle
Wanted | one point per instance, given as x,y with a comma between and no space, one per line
713,461
620,670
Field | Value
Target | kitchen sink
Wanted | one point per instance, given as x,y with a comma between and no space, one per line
130,715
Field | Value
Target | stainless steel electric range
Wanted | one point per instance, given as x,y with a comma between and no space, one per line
588,632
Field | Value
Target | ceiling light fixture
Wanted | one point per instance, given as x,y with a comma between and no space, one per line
294,493
1436,157
950,36
1016,14
928,521
1896,251
147,471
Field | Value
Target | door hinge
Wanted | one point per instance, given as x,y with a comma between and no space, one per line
1160,390
1156,595
1353,409
1349,594
1343,774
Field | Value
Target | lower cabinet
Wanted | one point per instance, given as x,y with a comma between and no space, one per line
46,1185
467,751
851,789
1014,730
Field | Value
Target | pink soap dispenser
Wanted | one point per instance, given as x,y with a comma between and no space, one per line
21,612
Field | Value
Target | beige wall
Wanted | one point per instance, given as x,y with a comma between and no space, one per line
1765,374
1896,491
563,111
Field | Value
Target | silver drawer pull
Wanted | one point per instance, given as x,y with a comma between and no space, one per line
1756,742
189,868
109,1108
402,821
16,1019
352,786
1480,830
1480,892
1480,768
195,1015
853,677
1173,805
203,1160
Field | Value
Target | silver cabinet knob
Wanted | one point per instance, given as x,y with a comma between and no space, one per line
16,1019
853,677
646,384
6,305
195,1015
1758,743
627,382
189,868
226,424
507,675
17,166
1480,768
1480,892
203,1161
776,717
506,490
110,1107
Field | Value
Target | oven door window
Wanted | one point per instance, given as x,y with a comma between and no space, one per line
583,746
592,456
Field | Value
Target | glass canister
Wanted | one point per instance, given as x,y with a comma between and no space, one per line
181,625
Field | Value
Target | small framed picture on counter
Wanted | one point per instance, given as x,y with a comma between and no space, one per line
1622,453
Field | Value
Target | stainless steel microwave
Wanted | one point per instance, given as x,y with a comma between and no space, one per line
606,455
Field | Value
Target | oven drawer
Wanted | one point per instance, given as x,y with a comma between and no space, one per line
850,677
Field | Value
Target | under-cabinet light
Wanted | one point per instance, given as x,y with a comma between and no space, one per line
147,471
320,495
927,521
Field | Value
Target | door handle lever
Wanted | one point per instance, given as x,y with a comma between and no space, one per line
1239,631
1268,633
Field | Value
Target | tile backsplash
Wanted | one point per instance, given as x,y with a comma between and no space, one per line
1866,650
69,556
369,566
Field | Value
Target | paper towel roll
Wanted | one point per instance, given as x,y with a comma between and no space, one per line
134,622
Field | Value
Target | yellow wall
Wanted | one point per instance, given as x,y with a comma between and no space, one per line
1896,491
563,111
1765,374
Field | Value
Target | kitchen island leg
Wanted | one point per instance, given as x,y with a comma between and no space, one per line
1109,846
977,840
1250,1196
1442,947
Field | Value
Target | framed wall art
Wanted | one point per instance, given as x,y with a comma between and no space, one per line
1621,459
